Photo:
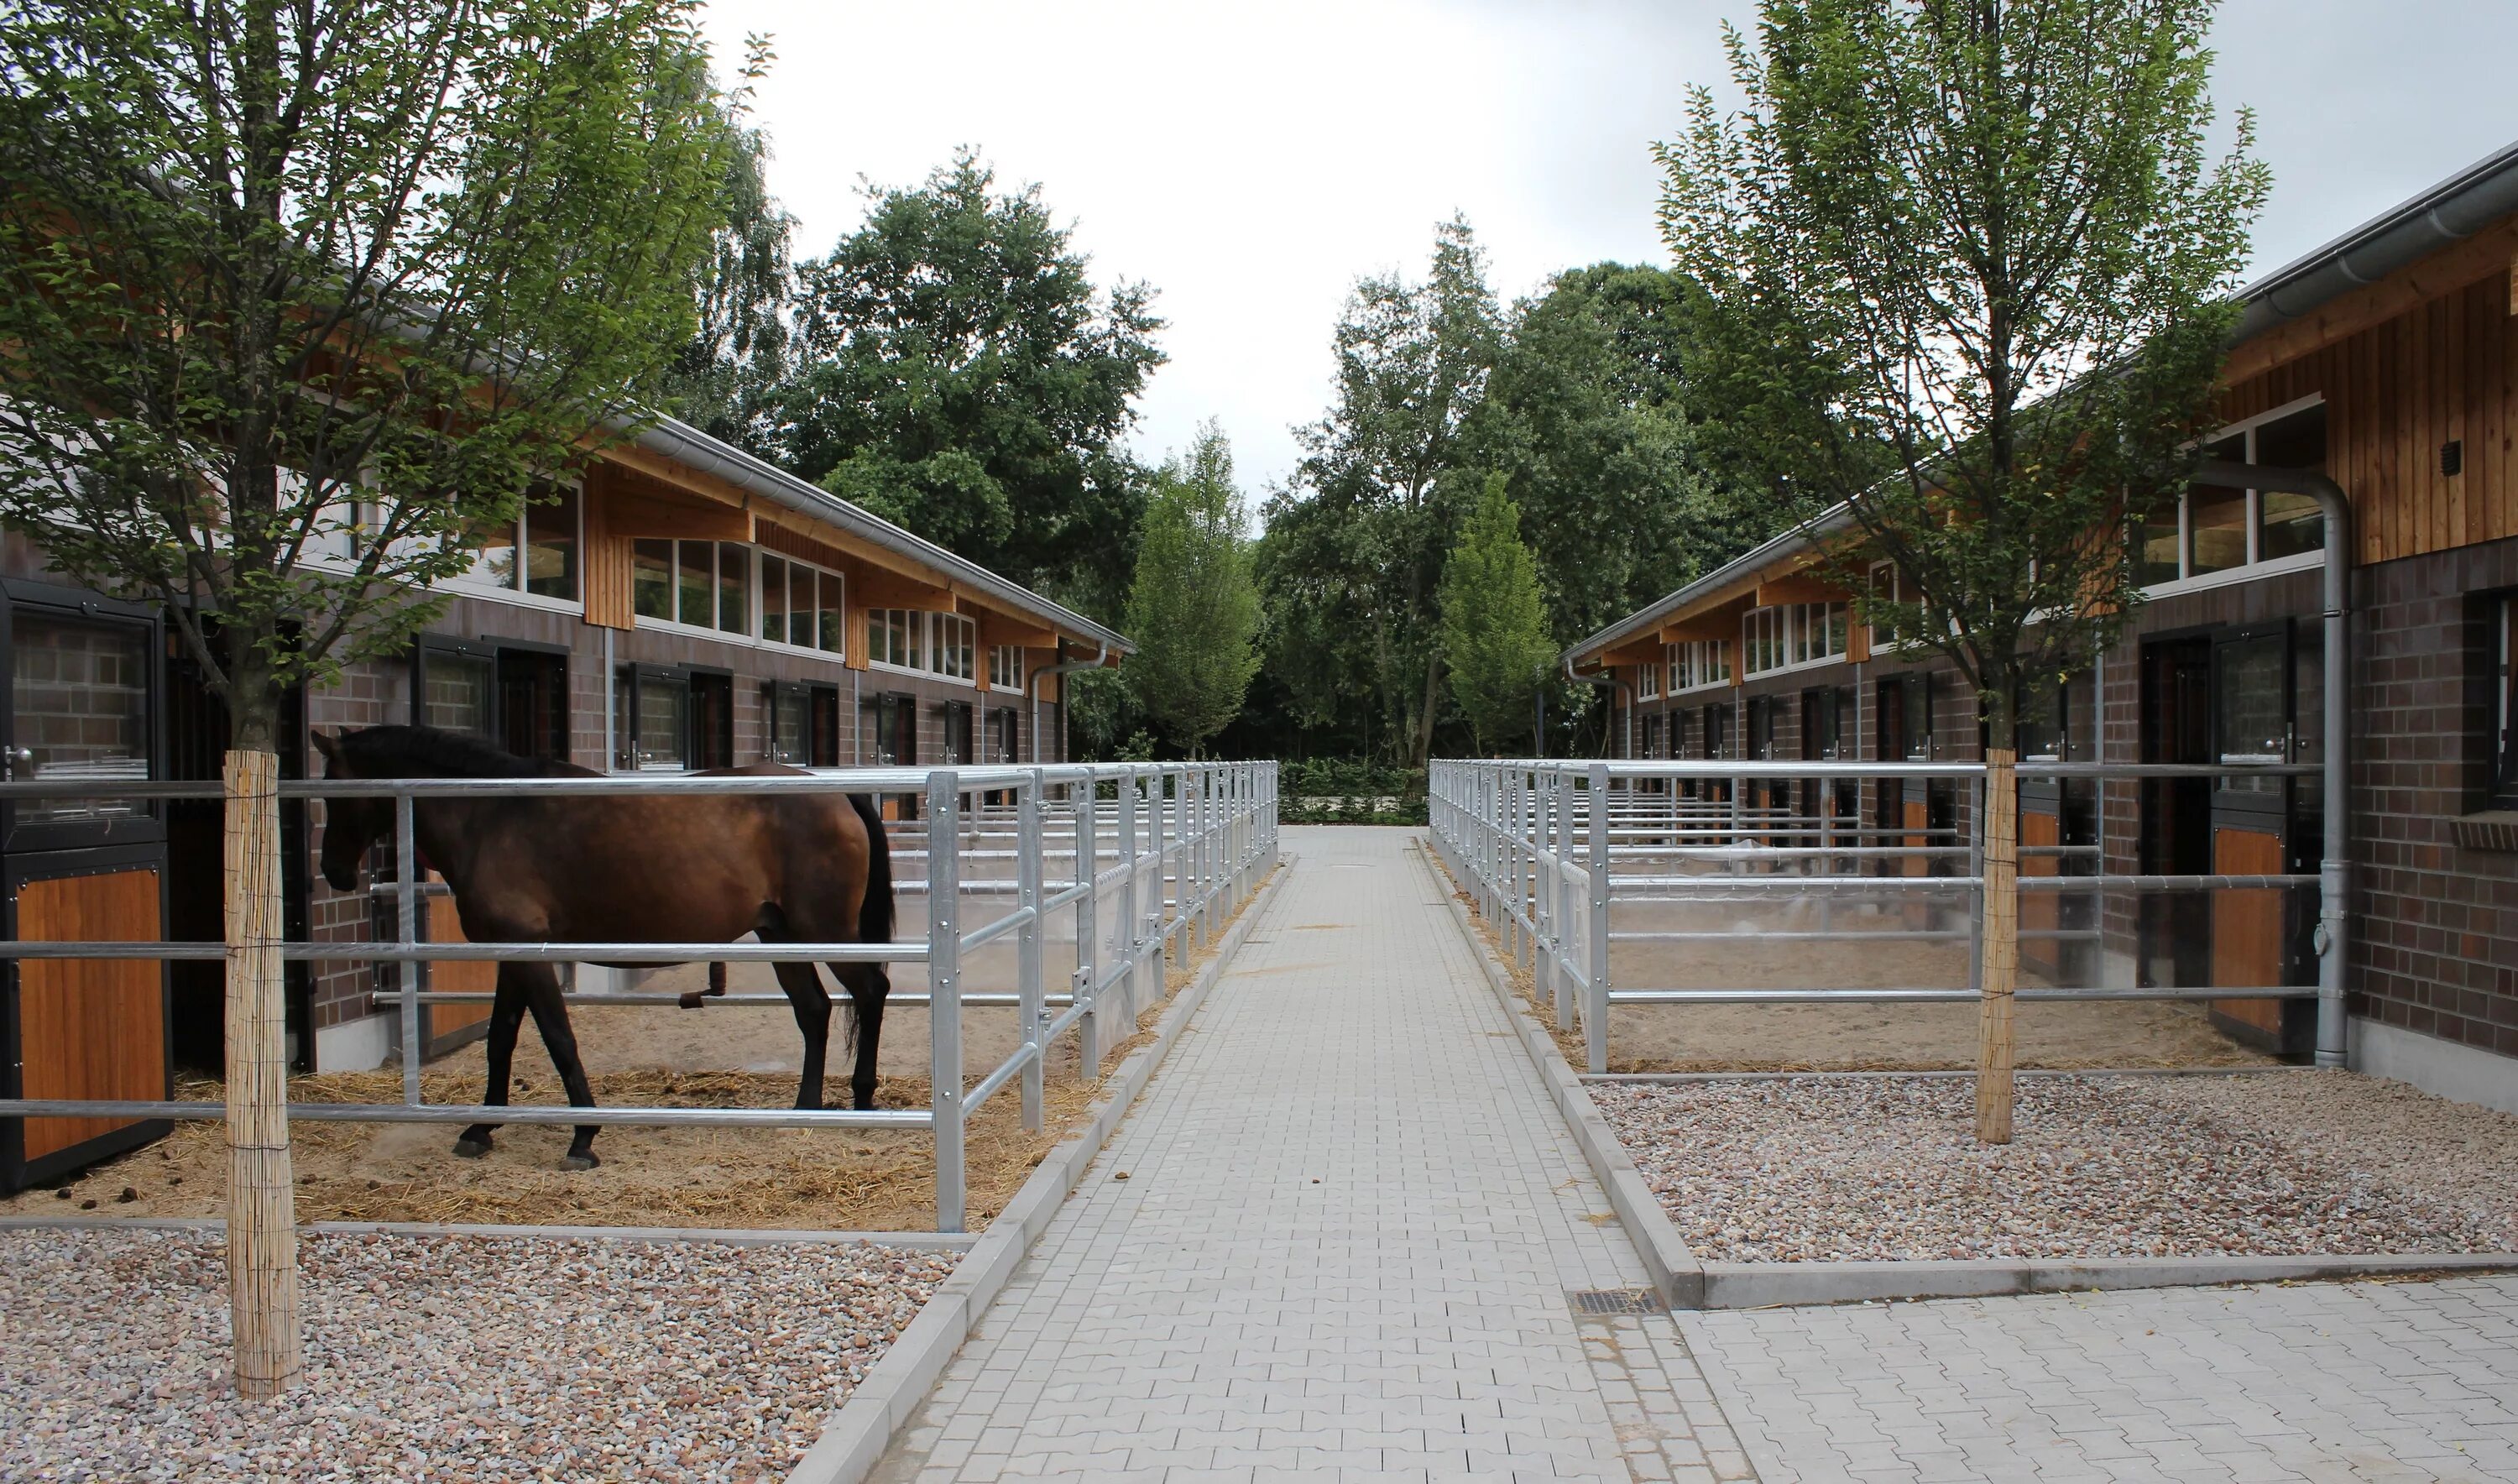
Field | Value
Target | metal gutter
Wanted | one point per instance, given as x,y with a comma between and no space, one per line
2451,212
688,446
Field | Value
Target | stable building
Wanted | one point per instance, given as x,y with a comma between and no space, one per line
682,605
2387,361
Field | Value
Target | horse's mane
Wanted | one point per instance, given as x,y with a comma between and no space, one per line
427,752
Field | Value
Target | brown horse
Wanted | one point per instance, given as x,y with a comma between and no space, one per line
626,869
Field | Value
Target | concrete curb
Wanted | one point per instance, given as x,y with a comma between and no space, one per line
1787,1285
1673,1269
1686,1078
856,1435
738,1236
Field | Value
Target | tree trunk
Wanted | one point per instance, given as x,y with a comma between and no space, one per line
1995,1044
262,1216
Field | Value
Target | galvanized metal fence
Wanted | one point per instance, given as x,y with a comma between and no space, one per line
1560,856
1149,858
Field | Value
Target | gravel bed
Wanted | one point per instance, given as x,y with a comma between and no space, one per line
443,1358
1814,1169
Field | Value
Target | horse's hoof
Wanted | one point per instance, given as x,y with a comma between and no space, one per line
583,1161
689,1001
472,1149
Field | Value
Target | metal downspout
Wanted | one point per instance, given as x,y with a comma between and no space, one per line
1031,687
1611,681
2334,873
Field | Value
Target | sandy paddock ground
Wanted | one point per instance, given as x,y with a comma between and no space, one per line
717,1055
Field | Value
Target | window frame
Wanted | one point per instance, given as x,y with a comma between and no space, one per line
2254,566
466,586
1790,633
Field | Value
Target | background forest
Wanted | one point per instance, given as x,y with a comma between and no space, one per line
953,364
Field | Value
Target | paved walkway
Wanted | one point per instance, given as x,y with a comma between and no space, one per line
1342,1247
2393,1381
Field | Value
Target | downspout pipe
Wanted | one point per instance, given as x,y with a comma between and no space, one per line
2334,872
1608,679
1031,687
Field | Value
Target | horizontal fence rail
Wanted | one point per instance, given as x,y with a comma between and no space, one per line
1569,858
1148,858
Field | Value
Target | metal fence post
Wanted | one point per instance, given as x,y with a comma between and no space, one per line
406,932
1030,1013
945,988
1124,931
1565,900
1595,1018
1088,874
1160,984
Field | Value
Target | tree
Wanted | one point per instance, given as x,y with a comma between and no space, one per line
959,372
1193,609
1587,412
301,303
1983,237
1359,536
724,378
1496,643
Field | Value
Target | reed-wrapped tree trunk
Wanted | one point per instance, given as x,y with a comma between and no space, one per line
1996,1041
262,1216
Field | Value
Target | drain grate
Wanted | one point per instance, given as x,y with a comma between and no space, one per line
1614,1300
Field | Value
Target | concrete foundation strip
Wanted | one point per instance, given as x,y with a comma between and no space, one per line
856,1437
1688,1283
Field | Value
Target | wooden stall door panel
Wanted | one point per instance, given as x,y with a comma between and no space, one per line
2041,911
89,1027
455,977
2247,926
1918,824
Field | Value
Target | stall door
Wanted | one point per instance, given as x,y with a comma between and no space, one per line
2175,932
451,1026
81,700
84,1028
2251,723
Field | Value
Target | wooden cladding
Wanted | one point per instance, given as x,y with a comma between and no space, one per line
2396,393
89,1027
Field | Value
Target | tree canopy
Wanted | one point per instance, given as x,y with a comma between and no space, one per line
1962,270
1192,608
1496,643
956,369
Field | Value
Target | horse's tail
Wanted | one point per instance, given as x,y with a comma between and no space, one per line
875,915
874,919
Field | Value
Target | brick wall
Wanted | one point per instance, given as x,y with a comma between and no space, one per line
2437,950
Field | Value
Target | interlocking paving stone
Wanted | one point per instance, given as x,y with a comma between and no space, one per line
2314,1381
1344,1247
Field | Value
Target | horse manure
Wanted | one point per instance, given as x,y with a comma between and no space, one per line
64,1194
1122,1175
87,1205
175,1179
127,1197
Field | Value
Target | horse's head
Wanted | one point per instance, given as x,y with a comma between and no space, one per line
351,826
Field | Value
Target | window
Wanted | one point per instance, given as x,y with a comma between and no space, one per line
1793,634
1006,667
1700,662
717,585
911,639
1648,683
536,553
459,693
804,724
652,709
2208,531
2504,695
80,695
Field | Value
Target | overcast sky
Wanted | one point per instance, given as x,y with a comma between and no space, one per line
1250,161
